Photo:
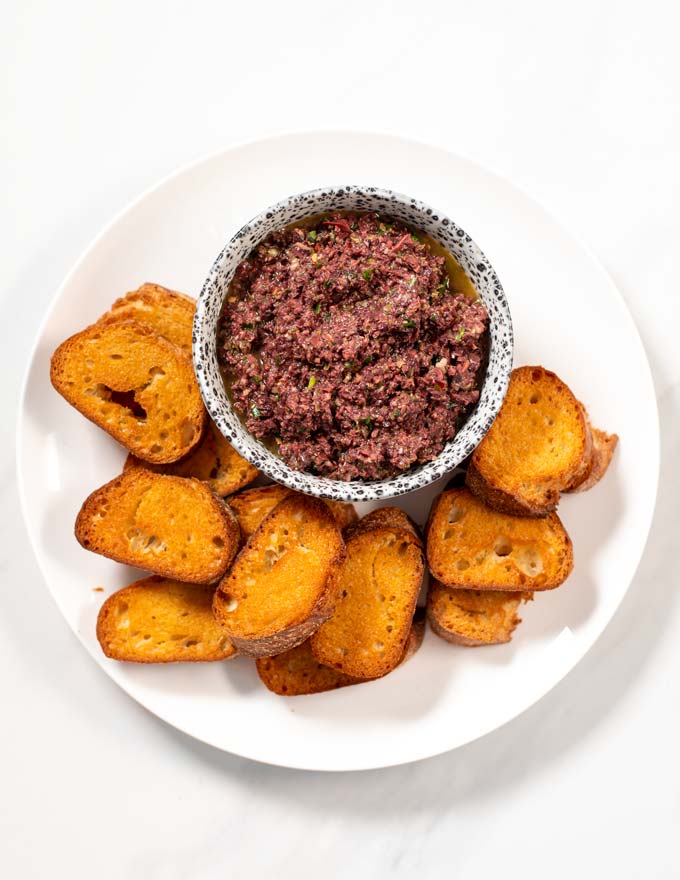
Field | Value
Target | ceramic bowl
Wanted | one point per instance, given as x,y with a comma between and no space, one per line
420,217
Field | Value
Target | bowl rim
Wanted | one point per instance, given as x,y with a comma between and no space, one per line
454,452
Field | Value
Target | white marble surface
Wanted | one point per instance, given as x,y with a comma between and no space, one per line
579,107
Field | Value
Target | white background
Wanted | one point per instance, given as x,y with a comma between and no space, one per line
579,106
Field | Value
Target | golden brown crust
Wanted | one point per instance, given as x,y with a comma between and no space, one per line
379,584
167,312
297,672
253,505
214,461
168,525
282,585
388,517
135,385
473,618
538,445
604,446
472,546
157,620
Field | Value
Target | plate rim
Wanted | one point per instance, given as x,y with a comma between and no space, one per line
647,377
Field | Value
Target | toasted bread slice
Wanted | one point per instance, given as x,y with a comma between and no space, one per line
167,312
168,525
214,460
297,672
379,584
137,386
539,443
281,586
603,449
253,505
471,546
157,620
473,617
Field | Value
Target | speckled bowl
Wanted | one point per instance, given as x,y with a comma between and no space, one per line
419,216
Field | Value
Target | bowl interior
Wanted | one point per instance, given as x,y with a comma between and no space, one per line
417,215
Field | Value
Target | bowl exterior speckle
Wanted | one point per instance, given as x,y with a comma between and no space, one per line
417,215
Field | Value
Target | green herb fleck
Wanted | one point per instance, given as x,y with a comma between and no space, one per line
415,237
317,308
255,412
460,334
327,283
246,326
367,421
311,383
409,323
257,379
412,281
367,274
311,235
326,316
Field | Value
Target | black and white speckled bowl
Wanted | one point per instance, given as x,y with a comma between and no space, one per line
419,216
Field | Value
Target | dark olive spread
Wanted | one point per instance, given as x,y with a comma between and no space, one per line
346,345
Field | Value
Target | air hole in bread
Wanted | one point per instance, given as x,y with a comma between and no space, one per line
122,608
502,547
156,372
231,604
126,399
116,357
448,534
529,561
191,643
402,549
378,646
463,564
218,542
344,594
535,397
188,433
456,513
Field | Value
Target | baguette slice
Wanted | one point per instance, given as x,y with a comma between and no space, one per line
157,620
137,386
168,525
378,585
214,461
253,505
473,547
538,445
473,617
281,587
603,449
297,672
167,312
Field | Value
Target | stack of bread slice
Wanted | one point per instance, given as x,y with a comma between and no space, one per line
497,541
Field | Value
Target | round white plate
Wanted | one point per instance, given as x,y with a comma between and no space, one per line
568,316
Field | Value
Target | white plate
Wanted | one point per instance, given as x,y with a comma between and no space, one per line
568,316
